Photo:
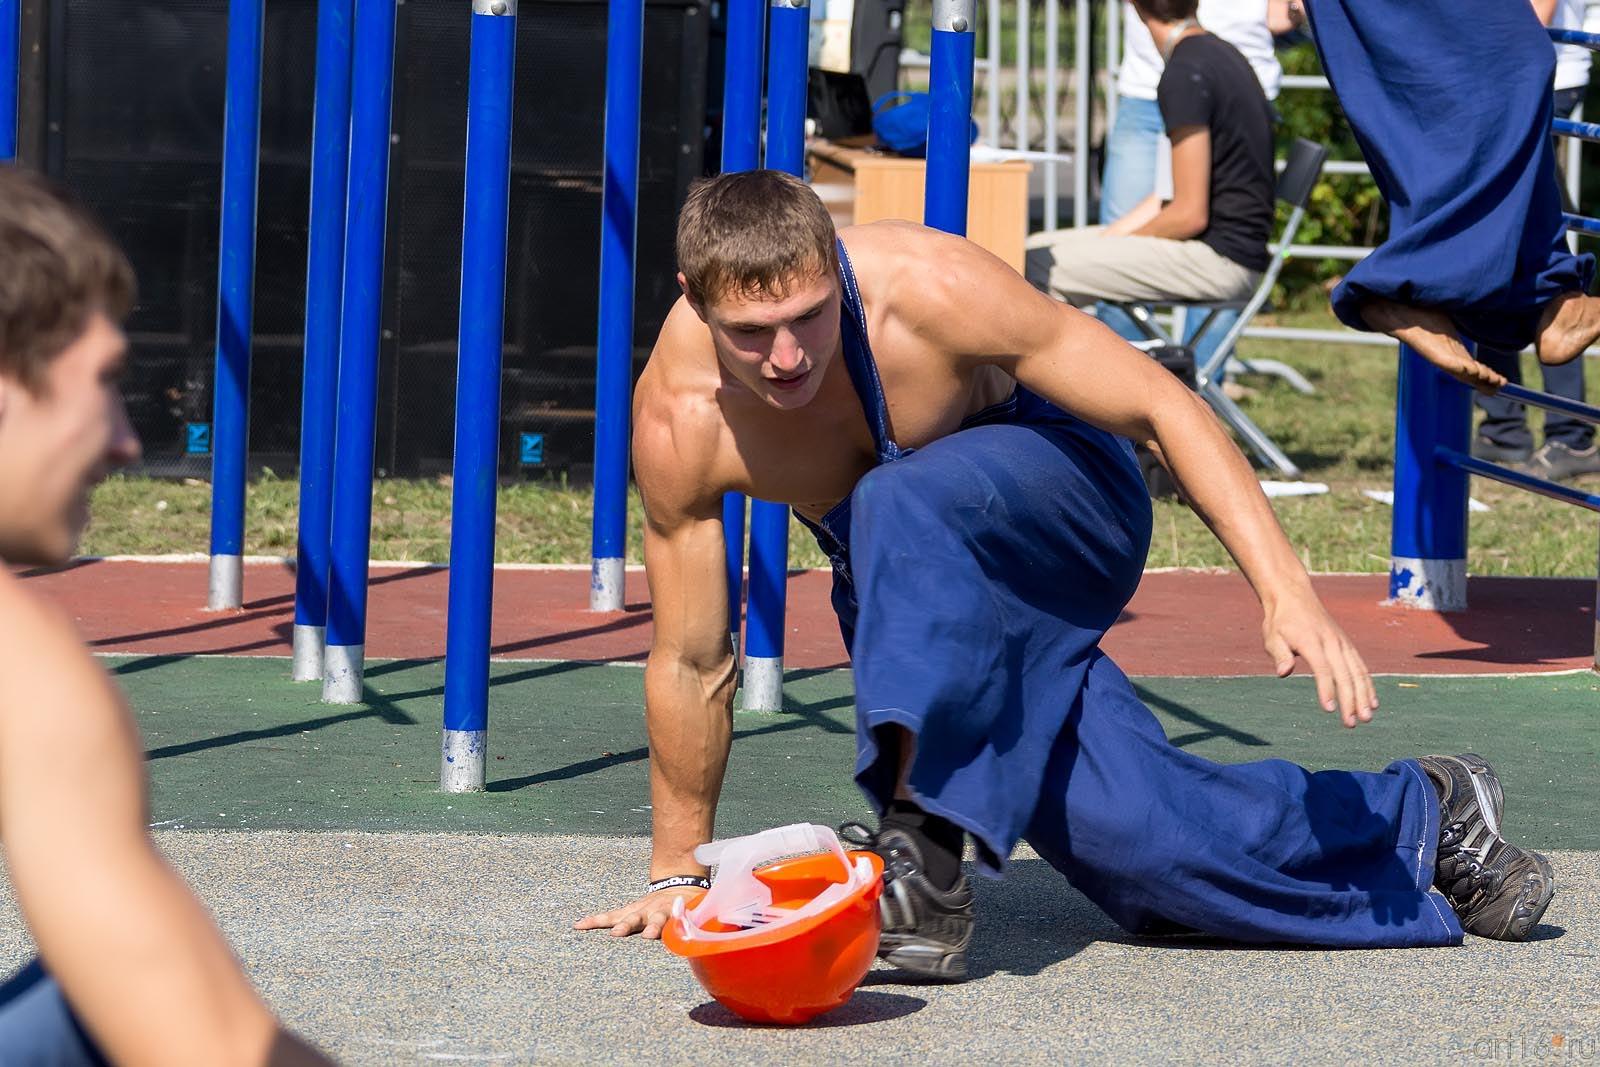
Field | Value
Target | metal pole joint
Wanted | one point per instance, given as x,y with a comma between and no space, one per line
494,7
954,16
791,3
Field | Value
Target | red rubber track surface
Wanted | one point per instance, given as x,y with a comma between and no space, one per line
1180,623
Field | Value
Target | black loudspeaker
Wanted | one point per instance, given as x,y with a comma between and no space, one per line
875,40
134,100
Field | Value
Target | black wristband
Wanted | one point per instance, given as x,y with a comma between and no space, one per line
686,881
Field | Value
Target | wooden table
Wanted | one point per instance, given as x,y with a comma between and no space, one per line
860,185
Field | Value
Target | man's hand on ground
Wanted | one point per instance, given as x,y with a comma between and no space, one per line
646,916
1301,626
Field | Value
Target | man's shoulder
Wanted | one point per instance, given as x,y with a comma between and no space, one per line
1208,57
38,641
905,265
29,621
678,426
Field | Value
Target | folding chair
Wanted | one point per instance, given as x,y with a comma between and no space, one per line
1301,170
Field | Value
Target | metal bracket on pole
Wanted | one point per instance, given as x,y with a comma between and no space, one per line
494,7
957,16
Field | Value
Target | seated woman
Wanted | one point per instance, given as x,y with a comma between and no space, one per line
1450,102
1208,242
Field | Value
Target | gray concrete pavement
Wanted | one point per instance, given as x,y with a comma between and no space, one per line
424,948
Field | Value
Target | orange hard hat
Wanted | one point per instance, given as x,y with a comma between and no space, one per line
781,942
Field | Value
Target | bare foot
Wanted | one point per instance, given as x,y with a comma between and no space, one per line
1432,336
1570,324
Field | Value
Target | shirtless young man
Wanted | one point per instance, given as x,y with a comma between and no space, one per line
960,444
144,975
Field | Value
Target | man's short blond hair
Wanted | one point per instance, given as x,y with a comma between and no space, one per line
57,267
753,232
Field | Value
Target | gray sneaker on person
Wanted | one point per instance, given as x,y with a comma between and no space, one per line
926,930
1497,889
1560,462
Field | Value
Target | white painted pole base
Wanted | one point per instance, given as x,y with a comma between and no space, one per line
1428,584
461,765
342,669
309,648
225,590
763,683
605,585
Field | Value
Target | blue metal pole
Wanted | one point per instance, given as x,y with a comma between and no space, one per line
950,115
614,371
1428,547
741,150
787,48
787,45
230,419
10,35
477,460
741,90
330,170
366,214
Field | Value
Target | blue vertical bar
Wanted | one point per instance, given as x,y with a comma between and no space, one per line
477,459
1429,539
330,163
230,430
787,47
10,36
789,38
741,90
741,150
366,214
950,116
614,373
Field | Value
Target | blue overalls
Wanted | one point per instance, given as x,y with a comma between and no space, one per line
973,580
1450,102
38,1027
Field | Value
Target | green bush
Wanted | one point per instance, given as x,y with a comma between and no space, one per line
1345,209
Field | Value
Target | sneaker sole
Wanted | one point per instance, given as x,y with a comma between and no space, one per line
1521,928
924,959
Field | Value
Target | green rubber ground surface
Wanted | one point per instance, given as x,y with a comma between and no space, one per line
234,744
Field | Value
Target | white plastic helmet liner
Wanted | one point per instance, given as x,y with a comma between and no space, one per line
738,898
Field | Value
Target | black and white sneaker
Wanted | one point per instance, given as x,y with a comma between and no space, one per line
926,930
1497,889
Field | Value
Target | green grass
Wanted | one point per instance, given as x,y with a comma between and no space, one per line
1343,435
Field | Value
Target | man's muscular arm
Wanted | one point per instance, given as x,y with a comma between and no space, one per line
1083,367
139,959
691,674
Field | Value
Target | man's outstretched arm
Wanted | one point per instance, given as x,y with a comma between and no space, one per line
137,956
691,674
1085,368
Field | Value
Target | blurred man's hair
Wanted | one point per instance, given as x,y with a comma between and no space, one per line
1168,10
57,268
752,232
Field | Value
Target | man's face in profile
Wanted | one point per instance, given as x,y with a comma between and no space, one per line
58,439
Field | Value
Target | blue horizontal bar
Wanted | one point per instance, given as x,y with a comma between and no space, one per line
1577,37
1483,469
1575,408
1582,223
1588,131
